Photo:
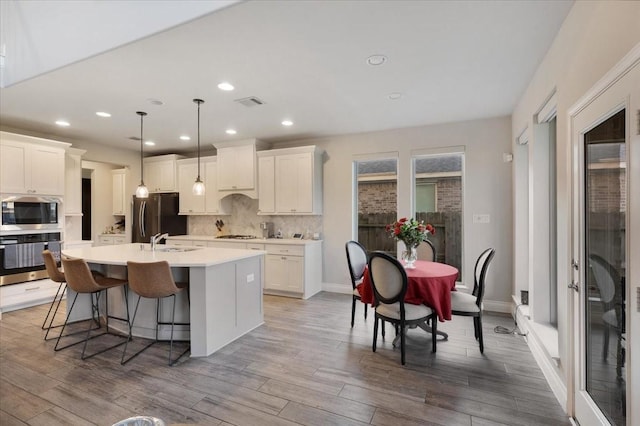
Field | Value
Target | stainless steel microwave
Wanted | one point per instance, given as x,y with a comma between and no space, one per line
24,213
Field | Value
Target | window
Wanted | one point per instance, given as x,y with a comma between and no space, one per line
377,202
438,201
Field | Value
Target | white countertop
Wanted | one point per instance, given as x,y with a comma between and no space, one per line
198,256
253,240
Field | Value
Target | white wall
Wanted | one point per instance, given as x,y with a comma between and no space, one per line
487,190
593,38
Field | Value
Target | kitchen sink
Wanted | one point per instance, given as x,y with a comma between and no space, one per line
176,249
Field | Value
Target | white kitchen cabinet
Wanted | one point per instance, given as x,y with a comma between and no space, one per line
290,181
286,273
31,168
73,182
24,295
229,244
292,268
120,198
184,242
160,173
112,239
266,183
237,167
210,202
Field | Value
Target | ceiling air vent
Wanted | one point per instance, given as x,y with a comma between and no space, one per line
251,101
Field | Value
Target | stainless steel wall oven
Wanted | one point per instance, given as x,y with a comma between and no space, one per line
21,256
30,213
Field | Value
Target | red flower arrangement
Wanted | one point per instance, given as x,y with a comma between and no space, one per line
409,231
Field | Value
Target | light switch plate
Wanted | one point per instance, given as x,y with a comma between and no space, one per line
250,278
481,218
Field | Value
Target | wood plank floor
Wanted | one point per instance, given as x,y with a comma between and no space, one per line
305,365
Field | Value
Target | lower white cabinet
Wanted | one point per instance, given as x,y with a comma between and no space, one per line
286,273
112,239
292,267
24,295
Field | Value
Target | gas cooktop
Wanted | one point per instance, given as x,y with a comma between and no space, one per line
238,237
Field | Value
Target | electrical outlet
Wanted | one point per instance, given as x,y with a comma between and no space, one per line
481,218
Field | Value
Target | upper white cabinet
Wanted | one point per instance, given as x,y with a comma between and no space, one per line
120,199
31,165
267,183
210,202
237,167
296,174
160,173
73,182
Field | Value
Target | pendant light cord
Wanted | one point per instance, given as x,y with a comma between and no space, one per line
141,114
198,102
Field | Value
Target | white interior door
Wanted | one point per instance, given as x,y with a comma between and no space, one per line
606,208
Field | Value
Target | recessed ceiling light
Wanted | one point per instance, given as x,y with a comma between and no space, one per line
376,60
103,114
185,138
287,123
154,101
63,123
150,143
395,95
230,132
225,86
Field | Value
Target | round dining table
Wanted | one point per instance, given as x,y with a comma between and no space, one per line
429,283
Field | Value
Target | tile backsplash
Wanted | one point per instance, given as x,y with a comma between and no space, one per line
244,220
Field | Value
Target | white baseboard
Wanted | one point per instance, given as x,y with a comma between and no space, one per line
546,363
497,306
337,288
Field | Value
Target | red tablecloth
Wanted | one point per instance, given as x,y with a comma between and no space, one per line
430,283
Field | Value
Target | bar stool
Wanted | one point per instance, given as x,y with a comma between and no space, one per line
153,280
57,276
81,280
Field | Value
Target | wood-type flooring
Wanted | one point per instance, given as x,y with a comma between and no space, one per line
305,365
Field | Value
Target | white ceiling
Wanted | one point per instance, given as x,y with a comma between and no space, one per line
452,61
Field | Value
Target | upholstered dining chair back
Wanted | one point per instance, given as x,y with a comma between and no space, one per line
427,251
480,274
605,276
52,268
79,276
388,278
151,279
357,260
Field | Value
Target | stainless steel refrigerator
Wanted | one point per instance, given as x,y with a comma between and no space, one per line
157,214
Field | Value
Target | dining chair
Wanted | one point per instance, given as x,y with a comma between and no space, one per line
426,251
357,261
389,283
153,280
611,288
470,305
81,280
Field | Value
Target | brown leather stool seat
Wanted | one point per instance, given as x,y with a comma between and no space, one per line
153,280
81,280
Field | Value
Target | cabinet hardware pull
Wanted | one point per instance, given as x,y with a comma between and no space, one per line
32,288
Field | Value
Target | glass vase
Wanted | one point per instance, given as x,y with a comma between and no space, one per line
410,255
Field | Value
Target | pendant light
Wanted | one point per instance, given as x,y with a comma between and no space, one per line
198,185
142,191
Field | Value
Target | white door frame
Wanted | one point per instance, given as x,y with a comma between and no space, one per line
616,90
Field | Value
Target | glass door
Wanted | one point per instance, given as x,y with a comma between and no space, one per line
603,225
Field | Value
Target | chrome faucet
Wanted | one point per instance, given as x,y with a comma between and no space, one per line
156,240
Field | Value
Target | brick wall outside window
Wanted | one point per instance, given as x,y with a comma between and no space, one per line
380,197
607,189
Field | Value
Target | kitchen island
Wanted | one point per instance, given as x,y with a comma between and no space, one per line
225,290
